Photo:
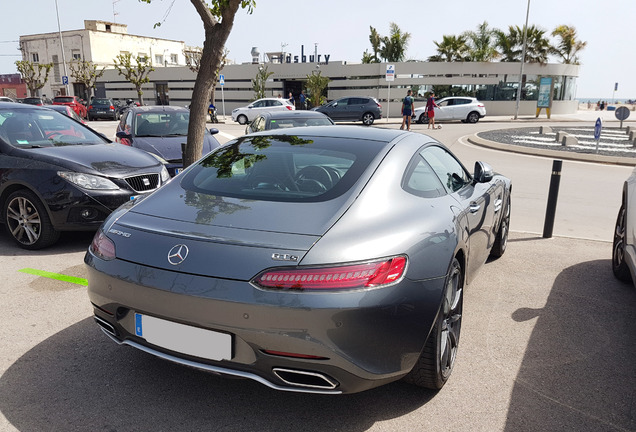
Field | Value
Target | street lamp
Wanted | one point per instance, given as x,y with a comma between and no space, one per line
59,30
523,60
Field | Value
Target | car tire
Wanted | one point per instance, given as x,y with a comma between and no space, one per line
423,119
27,221
501,240
472,117
90,118
242,119
368,119
619,266
435,364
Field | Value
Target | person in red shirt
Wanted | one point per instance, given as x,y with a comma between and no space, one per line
430,109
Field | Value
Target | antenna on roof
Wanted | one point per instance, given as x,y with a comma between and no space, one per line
115,13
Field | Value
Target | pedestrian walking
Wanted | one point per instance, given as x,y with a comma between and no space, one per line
303,100
291,99
430,110
407,111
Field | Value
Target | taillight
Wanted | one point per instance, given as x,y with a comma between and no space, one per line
366,275
289,107
112,107
90,107
103,247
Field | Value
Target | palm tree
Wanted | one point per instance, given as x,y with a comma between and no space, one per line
394,46
452,48
568,46
537,45
482,43
509,45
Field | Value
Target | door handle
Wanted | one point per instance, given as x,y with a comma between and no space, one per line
498,204
474,207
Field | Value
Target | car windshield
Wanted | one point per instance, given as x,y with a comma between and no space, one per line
101,102
299,121
282,168
162,124
34,128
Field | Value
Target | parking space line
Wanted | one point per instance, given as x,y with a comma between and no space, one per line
57,276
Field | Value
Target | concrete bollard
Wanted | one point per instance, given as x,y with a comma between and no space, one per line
632,135
628,129
569,140
560,135
543,130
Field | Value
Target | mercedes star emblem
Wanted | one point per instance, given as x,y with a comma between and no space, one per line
178,254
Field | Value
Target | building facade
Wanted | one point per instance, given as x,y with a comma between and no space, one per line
99,42
11,85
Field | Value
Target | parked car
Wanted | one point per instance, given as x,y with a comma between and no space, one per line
59,175
365,109
466,109
6,99
248,113
313,259
37,101
102,108
161,130
74,102
624,245
67,111
287,119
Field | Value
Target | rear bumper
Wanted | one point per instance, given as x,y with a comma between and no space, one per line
362,339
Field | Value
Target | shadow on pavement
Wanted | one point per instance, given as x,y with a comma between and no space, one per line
578,372
72,241
80,380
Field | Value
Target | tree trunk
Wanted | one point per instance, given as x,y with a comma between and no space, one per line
216,34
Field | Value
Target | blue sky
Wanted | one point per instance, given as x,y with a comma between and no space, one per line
341,28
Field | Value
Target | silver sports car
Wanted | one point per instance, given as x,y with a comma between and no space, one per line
323,260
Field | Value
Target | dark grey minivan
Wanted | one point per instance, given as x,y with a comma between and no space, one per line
365,109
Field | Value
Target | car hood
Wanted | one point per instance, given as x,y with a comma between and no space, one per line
105,159
169,147
226,237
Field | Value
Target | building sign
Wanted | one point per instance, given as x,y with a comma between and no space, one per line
545,92
303,58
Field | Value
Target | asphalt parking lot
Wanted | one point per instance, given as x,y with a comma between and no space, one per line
548,343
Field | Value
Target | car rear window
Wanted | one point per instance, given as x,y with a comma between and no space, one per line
63,99
282,168
101,102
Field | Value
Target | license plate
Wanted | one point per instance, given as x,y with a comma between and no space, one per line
177,170
184,339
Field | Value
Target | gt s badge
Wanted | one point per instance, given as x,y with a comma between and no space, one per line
284,257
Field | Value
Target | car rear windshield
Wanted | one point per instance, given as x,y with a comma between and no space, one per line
283,168
63,99
33,128
101,102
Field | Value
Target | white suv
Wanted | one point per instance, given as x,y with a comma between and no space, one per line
248,113
466,109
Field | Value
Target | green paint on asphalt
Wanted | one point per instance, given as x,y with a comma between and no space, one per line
56,276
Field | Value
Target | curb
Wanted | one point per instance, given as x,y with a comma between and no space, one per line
556,154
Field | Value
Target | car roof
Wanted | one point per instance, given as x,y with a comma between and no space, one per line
277,115
158,108
354,132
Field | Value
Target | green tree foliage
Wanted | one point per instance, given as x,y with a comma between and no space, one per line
451,49
218,20
193,61
390,48
510,44
259,82
316,85
86,72
482,43
568,46
34,75
136,73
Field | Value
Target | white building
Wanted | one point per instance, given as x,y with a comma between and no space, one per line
99,42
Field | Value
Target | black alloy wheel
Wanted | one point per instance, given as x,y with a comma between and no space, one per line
437,359
367,119
473,117
619,267
27,221
422,119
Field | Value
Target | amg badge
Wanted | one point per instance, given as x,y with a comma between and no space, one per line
284,257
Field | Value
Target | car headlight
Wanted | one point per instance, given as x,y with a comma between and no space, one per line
165,175
88,181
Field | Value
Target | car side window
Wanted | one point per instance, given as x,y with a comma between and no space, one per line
443,103
343,102
462,101
127,122
450,171
258,104
259,124
275,103
420,179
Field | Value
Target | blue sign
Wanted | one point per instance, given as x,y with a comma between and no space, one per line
222,79
65,80
597,129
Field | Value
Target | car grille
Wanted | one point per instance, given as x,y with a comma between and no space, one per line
143,183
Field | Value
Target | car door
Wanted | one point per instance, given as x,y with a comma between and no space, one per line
476,209
337,110
255,109
445,110
355,108
461,108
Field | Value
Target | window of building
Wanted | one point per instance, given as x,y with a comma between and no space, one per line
143,56
76,55
174,58
35,57
159,59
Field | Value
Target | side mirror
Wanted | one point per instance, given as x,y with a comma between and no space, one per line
122,134
335,104
483,172
214,131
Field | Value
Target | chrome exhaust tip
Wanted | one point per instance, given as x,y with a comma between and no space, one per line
106,326
306,379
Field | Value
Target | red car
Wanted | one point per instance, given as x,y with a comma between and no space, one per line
73,102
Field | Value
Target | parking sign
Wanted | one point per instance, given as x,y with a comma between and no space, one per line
390,72
222,79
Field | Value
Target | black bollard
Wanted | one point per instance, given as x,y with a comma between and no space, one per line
550,211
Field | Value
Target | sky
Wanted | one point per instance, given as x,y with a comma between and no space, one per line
340,28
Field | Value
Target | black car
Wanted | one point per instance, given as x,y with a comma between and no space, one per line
287,119
365,109
102,108
59,175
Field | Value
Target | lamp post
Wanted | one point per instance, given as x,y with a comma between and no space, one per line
59,30
523,60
